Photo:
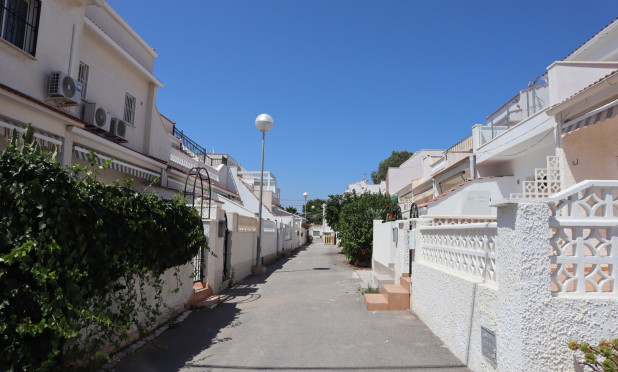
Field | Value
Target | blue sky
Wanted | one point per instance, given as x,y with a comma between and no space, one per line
347,81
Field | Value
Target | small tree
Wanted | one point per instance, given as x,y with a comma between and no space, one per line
334,204
291,209
395,160
314,211
356,223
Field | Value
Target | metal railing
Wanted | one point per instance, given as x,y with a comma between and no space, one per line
196,149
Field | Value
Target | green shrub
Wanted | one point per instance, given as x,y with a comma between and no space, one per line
356,223
76,256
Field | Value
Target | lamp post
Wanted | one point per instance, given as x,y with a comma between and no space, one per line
263,123
305,195
323,219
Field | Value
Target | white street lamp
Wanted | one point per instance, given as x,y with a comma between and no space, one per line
263,123
305,195
323,219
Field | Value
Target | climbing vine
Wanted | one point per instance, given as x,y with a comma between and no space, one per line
77,257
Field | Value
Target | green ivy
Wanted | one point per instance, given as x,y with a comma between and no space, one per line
76,256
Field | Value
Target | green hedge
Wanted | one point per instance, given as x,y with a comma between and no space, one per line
355,222
76,255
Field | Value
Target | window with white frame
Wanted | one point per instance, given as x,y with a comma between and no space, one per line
82,77
129,109
19,23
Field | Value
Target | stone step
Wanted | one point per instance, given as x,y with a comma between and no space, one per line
201,292
397,296
375,302
405,281
211,302
381,280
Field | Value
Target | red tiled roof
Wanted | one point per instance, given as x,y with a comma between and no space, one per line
451,190
591,37
170,120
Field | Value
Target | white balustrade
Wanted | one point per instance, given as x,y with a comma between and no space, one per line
468,249
584,239
547,181
459,220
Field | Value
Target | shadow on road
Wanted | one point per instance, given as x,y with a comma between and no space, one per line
178,346
360,368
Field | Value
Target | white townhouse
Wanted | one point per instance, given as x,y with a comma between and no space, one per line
83,77
362,187
506,290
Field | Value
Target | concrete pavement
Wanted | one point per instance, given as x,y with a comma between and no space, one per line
305,313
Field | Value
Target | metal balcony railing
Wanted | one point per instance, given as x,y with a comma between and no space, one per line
196,149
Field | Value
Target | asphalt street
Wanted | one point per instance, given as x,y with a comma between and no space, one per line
305,314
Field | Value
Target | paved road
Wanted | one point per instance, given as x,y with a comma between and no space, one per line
305,314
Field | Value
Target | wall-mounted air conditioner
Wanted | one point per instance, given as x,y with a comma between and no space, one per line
118,128
63,89
97,117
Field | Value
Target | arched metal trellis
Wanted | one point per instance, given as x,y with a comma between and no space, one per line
199,262
414,211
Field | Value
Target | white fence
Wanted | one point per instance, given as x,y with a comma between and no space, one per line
584,237
508,295
468,249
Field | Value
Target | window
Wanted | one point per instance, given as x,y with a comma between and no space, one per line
129,109
82,77
19,23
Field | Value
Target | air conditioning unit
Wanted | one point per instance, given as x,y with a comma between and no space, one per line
64,89
97,117
118,128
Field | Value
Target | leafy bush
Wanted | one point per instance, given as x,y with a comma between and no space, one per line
76,256
603,358
356,224
334,204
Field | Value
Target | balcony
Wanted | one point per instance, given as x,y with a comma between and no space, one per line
181,160
526,104
454,154
194,150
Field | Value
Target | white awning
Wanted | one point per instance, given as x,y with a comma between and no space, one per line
602,113
120,166
43,140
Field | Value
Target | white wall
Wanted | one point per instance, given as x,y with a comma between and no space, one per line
384,247
535,326
532,325
455,308
269,248
568,78
473,198
29,74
